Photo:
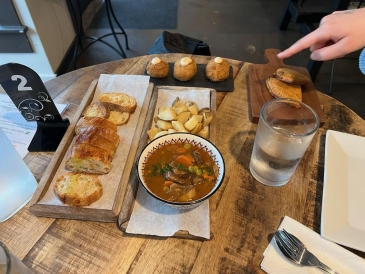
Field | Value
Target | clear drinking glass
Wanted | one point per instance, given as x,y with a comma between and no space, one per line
10,264
285,129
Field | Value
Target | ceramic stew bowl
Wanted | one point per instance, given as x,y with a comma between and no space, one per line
181,138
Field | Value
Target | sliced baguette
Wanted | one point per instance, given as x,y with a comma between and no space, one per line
88,158
106,133
78,189
86,122
118,101
90,136
96,109
119,118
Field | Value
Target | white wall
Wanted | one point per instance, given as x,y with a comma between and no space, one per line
50,32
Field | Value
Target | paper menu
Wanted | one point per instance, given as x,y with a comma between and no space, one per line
16,128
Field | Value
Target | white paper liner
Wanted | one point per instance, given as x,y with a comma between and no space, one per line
133,85
152,217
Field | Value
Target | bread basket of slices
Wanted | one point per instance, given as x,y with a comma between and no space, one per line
88,175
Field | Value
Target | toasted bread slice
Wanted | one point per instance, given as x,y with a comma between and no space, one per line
96,109
88,158
90,136
119,118
85,122
78,189
291,76
118,101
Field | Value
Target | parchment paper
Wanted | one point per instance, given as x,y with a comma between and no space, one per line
133,85
150,216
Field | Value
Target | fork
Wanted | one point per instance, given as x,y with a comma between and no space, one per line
296,251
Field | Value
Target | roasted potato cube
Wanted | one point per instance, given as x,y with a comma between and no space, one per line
152,132
161,109
207,118
158,134
197,128
168,114
204,133
181,109
202,110
164,125
183,117
177,125
193,121
193,108
177,103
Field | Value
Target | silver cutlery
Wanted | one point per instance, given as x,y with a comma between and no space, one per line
296,252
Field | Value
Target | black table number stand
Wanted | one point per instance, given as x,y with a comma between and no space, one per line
27,91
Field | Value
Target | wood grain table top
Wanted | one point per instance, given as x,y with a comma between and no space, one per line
244,213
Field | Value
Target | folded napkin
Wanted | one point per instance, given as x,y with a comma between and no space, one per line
329,253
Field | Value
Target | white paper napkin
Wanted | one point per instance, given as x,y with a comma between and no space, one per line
329,253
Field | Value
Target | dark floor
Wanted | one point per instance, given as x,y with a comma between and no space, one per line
242,30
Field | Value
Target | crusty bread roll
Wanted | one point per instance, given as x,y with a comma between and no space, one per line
78,189
157,68
185,69
217,69
85,122
96,109
90,136
118,101
88,158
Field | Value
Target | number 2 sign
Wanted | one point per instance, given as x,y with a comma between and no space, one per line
23,82
30,96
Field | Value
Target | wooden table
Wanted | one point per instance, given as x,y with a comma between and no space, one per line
243,212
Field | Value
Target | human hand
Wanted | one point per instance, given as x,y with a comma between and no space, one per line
338,34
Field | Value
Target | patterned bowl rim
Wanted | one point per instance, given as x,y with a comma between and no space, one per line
182,137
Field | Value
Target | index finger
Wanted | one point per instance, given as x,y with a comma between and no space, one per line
304,43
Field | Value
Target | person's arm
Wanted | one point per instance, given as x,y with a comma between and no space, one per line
338,34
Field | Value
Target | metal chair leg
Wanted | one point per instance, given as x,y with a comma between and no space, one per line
119,25
108,9
331,78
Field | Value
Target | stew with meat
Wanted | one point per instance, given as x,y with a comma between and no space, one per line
180,172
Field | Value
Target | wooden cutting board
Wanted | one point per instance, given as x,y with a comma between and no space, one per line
258,93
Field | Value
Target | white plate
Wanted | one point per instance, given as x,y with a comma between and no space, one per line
343,204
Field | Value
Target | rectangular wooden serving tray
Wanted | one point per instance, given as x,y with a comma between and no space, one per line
87,213
132,187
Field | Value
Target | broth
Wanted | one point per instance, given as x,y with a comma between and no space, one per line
180,172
